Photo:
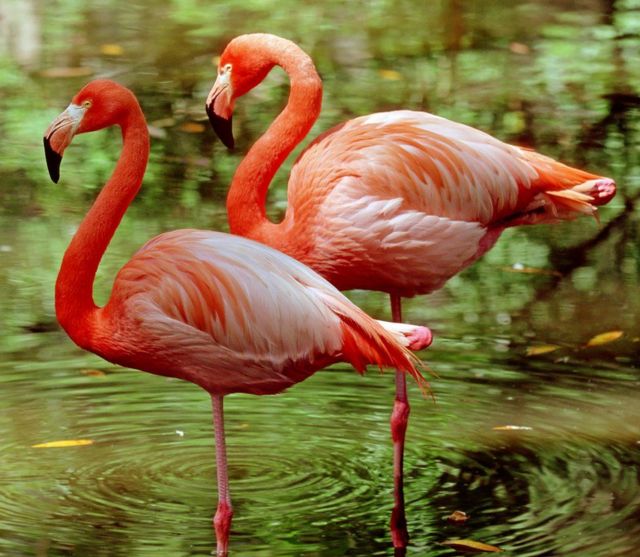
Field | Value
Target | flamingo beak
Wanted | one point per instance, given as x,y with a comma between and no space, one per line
219,108
58,137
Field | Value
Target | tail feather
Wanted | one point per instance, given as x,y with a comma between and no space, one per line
564,191
571,200
554,175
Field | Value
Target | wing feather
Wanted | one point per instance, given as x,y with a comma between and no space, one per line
236,315
408,186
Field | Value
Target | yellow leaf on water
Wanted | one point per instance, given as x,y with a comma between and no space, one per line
604,338
192,127
512,428
63,443
111,49
458,517
93,373
471,546
390,75
541,349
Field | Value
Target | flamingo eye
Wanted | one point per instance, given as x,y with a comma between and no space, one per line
86,104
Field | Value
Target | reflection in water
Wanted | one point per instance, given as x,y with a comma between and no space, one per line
311,466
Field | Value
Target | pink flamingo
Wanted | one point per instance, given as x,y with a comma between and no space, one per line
396,201
226,313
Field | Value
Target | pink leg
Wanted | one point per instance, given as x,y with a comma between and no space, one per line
224,513
399,420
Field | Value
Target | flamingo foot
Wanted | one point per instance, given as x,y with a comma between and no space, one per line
603,190
414,337
399,421
419,339
222,526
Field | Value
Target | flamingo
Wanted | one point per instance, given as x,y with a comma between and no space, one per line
224,312
395,201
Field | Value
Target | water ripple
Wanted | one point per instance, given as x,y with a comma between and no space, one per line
312,468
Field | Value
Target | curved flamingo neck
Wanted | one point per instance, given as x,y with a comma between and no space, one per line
75,307
247,195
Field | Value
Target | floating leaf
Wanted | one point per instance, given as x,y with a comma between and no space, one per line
471,546
541,349
458,517
72,71
390,75
64,443
111,49
604,338
93,373
192,127
512,428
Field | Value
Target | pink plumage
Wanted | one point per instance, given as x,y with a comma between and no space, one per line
395,201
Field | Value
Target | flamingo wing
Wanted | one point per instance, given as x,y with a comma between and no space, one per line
432,164
237,315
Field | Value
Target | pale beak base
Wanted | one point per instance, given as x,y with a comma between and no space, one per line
58,137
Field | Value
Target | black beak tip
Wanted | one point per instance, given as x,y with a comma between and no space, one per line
53,161
222,127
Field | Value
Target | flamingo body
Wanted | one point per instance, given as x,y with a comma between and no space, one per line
413,191
230,315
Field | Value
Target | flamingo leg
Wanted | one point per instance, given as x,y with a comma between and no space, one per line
399,421
224,512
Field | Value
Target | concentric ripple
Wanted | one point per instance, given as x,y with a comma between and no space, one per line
310,470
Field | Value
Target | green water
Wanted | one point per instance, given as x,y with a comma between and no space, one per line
310,469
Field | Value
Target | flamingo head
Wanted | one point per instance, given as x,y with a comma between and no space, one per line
97,105
243,65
